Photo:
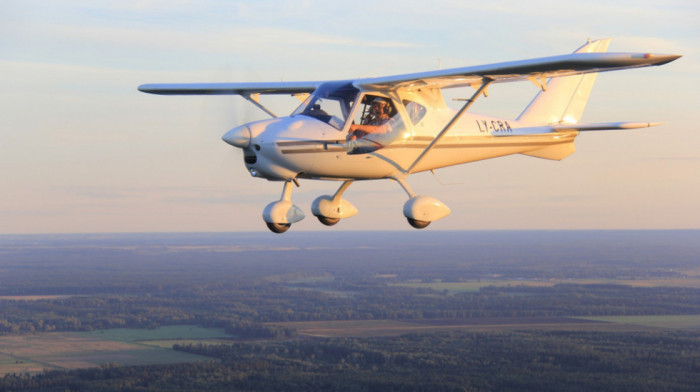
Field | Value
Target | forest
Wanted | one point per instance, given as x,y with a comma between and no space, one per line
458,361
244,284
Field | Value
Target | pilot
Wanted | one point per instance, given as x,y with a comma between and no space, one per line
377,121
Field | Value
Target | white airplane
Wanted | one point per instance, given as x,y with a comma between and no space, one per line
391,127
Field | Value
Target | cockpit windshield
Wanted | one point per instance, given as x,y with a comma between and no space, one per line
330,103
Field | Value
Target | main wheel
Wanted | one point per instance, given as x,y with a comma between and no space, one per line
418,224
278,228
327,221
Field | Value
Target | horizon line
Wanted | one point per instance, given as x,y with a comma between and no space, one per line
344,231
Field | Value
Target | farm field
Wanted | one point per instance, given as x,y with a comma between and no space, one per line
686,322
472,286
10,364
31,297
388,328
172,332
74,350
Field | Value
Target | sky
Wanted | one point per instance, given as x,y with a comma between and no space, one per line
82,151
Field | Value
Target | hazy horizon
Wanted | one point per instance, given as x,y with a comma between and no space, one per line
305,233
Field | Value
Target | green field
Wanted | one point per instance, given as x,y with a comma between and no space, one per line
387,328
168,343
689,322
162,333
74,350
472,286
9,364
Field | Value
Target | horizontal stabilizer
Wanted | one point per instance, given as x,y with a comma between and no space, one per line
563,150
585,127
603,126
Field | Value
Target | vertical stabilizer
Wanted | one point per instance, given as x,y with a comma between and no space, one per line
565,97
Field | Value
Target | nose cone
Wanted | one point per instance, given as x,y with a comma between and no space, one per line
238,137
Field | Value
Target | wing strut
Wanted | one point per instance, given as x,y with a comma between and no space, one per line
254,98
484,84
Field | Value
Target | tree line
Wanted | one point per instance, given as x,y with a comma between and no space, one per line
450,361
243,309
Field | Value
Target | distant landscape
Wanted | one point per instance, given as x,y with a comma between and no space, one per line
428,310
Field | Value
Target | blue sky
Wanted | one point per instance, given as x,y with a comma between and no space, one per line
82,151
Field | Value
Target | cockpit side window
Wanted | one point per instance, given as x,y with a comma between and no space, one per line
364,115
376,124
415,111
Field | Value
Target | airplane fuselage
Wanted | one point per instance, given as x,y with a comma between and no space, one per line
303,147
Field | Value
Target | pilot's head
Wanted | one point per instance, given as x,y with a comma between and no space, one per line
380,105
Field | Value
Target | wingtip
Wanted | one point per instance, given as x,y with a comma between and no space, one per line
637,125
663,58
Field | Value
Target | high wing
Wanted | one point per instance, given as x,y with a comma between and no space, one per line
230,88
533,69
250,91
